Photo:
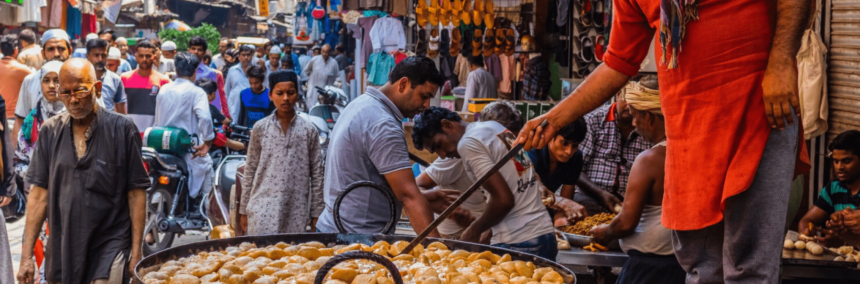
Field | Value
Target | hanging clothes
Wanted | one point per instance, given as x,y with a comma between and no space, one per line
461,68
52,15
494,66
399,56
89,24
73,22
509,66
387,35
379,65
31,11
362,31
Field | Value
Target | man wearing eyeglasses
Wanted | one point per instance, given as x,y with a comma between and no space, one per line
95,198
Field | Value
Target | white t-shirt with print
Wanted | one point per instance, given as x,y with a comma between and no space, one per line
449,174
485,143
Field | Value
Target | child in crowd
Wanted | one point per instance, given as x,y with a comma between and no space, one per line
218,118
255,103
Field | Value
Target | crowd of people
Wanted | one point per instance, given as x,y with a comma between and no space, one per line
78,115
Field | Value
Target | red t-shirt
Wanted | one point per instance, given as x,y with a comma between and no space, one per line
713,105
140,94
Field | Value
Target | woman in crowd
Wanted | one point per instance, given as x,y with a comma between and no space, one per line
48,106
284,172
231,57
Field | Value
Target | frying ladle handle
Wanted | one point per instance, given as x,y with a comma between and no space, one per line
334,261
392,221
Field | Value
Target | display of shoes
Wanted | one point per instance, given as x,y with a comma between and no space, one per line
445,13
444,43
466,42
421,13
489,14
489,42
510,42
433,13
433,45
587,51
421,45
466,13
597,8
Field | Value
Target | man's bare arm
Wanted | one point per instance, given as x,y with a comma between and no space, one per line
590,188
601,85
137,211
647,168
416,206
37,205
120,108
500,204
779,84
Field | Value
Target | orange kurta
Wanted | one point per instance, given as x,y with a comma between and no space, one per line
715,119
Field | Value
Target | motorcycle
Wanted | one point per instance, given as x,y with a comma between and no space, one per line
220,211
170,211
233,132
330,103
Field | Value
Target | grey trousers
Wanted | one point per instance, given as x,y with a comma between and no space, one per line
746,246
6,275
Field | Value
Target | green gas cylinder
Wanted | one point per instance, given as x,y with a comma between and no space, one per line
170,140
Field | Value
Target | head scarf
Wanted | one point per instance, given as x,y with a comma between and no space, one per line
55,33
282,76
50,109
642,98
674,16
275,49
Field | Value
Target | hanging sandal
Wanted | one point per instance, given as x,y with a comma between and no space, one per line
433,46
466,13
599,48
489,14
587,52
597,12
445,13
421,13
500,41
489,42
466,43
455,42
445,43
477,42
585,14
421,46
510,41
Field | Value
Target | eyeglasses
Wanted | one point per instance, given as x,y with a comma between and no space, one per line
80,93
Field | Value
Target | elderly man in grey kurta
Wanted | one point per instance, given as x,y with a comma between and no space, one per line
321,71
88,178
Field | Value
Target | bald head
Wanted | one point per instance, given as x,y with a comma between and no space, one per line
325,51
79,87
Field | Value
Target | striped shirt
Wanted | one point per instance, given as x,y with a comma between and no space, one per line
835,197
140,93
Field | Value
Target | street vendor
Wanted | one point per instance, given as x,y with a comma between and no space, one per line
730,95
838,202
368,144
515,211
638,225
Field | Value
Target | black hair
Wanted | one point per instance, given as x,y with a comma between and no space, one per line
848,141
144,44
186,64
287,61
207,85
27,35
302,51
198,41
477,60
418,70
257,72
230,44
340,48
574,132
246,48
429,123
268,44
108,31
96,43
8,44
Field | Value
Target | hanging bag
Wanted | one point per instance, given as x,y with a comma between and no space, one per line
812,81
318,12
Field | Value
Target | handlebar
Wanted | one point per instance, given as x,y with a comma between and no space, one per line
239,128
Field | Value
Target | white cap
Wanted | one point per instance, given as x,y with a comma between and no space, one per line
168,46
55,33
121,39
275,49
91,36
114,54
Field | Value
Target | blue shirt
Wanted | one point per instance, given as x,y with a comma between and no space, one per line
132,61
565,173
379,65
113,91
80,53
254,107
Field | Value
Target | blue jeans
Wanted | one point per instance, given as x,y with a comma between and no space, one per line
544,246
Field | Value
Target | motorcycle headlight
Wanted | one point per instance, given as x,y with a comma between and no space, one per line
323,138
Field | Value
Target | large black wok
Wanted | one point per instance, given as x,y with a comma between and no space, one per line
154,261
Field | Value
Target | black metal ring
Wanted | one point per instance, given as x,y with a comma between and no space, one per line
392,221
331,263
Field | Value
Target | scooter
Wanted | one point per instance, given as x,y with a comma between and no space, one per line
330,103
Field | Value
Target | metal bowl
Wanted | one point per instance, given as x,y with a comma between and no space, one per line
154,261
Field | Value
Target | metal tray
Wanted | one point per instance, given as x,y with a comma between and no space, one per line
576,240
154,261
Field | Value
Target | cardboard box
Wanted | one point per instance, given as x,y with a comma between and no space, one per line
449,102
468,116
476,105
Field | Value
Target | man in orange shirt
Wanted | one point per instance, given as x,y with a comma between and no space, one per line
13,73
728,95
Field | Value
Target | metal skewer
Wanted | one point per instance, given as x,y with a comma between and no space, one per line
516,149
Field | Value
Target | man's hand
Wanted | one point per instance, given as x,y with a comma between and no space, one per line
599,234
135,258
535,136
4,200
851,220
574,211
779,87
462,217
609,200
470,235
26,271
201,150
560,219
243,225
440,199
